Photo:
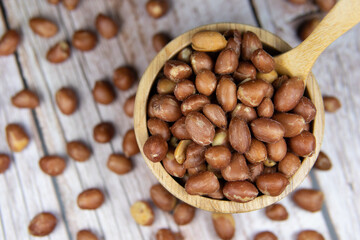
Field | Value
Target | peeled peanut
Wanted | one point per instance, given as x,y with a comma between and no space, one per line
195,155
221,138
250,43
208,41
224,225
255,170
245,70
293,124
239,135
269,77
4,162
43,27
25,99
198,169
331,104
180,151
303,144
142,213
199,128
276,212
172,166
218,157
42,224
277,151
129,145
201,61
155,148
269,163
323,162
306,109
244,112
257,152
272,184
158,127
178,129
206,82
183,214
309,199
289,94
215,114
226,62
267,130
185,54
240,191
166,108
309,235
202,183
237,169
251,93
265,236
184,89
90,199
119,164
165,86
162,198
266,108
16,137
194,103
226,93
263,61
177,70
289,165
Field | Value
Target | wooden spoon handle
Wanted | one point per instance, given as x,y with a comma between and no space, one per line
299,61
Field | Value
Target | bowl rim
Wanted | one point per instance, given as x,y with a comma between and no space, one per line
141,132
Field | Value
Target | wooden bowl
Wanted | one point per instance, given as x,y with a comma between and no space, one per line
158,170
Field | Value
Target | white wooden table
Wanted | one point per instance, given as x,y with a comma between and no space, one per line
25,190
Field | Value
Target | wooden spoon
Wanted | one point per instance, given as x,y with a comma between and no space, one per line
299,61
140,118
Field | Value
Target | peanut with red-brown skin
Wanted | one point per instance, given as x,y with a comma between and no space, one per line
323,162
216,115
119,164
86,235
195,155
251,93
293,124
226,93
289,165
331,104
239,135
194,103
303,144
265,236
42,224
59,52
90,199
183,214
84,40
162,198
165,234
106,26
276,212
52,165
325,5
276,151
266,108
201,61
309,199
78,151
240,191
4,162
66,100
309,235
272,184
226,62
263,61
257,152
9,42
124,77
198,169
256,170
43,27
206,82
178,129
250,43
245,70
200,129
158,127
218,157
167,108
267,130
177,70
103,132
165,86
103,92
25,99
172,166
184,89
159,41
289,94
246,113
70,4
155,148
306,109
307,27
224,225
202,183
129,106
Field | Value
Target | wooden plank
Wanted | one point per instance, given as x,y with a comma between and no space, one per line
337,73
25,189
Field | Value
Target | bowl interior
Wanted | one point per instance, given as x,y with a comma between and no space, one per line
158,170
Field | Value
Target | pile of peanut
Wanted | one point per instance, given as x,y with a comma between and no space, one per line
225,122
